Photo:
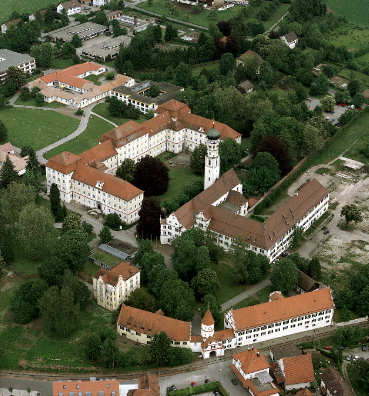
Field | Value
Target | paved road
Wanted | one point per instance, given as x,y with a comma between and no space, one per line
81,128
247,293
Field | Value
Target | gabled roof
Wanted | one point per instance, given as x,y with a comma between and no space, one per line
100,152
64,162
249,54
298,369
110,184
94,386
304,392
290,37
252,361
283,309
152,323
123,269
219,336
208,319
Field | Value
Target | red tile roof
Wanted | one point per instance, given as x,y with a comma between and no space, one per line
298,369
100,152
64,162
65,387
151,323
283,309
123,269
252,361
304,392
111,184
208,319
219,336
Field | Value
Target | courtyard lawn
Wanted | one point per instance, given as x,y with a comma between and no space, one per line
21,6
228,287
178,179
89,138
205,17
355,11
61,63
36,128
102,109
32,102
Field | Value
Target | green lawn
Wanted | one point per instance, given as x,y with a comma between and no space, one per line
102,109
351,37
36,128
197,69
89,138
178,179
32,102
204,18
229,288
355,75
21,6
260,297
95,79
61,63
356,11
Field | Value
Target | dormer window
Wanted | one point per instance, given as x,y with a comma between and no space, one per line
99,184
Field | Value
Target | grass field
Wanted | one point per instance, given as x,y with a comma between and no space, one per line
89,138
32,102
355,75
179,177
355,11
204,18
102,109
351,37
21,6
36,128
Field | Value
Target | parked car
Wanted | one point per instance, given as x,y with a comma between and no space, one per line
171,388
328,348
348,357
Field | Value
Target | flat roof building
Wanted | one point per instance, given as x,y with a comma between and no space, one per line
106,49
85,31
9,58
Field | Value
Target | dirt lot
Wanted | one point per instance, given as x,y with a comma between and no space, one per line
339,248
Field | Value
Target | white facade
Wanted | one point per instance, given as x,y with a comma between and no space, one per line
100,3
291,44
111,296
212,162
93,196
284,328
26,67
76,9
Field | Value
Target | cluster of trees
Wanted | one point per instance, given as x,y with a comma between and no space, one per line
171,294
117,108
248,267
100,348
354,295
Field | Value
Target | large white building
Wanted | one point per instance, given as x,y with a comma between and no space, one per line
112,287
221,208
88,178
100,3
9,58
281,316
69,86
70,7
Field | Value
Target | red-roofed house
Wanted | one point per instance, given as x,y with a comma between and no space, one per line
93,387
298,371
112,287
252,369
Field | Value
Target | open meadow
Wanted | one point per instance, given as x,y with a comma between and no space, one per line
21,6
356,11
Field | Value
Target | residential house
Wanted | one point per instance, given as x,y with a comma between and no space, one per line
100,3
92,387
6,25
252,369
245,87
111,15
112,287
148,385
250,57
9,58
305,283
243,327
339,82
290,39
332,384
297,372
20,163
71,7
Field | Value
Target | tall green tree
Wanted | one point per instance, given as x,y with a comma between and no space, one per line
16,77
230,154
142,299
76,41
351,213
160,349
205,282
7,174
284,275
55,205
105,235
148,226
3,133
152,176
126,170
227,63
198,159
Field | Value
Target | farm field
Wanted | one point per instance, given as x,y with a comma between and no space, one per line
36,128
355,11
351,37
204,17
89,138
21,6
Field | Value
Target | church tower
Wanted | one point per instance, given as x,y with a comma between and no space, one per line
207,325
212,159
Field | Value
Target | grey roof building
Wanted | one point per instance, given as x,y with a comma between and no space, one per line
10,58
85,31
108,48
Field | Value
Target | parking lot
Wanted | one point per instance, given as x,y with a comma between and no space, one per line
333,117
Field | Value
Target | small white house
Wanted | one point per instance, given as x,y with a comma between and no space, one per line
71,7
290,39
100,3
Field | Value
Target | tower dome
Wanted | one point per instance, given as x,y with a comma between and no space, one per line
213,134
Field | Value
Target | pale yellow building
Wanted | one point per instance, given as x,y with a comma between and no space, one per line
112,287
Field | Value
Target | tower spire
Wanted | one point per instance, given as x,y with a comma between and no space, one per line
212,159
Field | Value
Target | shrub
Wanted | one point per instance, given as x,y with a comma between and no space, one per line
113,221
